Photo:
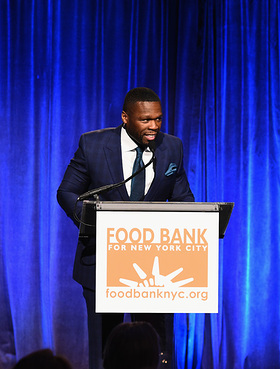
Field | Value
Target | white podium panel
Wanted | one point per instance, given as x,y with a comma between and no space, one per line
157,261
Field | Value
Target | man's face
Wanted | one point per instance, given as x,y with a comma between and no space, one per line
143,121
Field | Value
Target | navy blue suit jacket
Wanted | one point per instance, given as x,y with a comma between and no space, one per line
98,162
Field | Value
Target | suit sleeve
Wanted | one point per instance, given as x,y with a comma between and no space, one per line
181,190
76,181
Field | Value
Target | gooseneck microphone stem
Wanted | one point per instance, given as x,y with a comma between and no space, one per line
95,192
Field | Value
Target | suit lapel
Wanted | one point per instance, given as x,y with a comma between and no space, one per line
114,161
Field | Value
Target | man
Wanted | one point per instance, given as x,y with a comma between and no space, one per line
107,156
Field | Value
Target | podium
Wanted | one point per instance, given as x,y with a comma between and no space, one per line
156,257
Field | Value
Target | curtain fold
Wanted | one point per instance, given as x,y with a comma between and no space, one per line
65,67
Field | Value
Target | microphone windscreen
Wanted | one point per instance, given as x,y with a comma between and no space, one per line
152,145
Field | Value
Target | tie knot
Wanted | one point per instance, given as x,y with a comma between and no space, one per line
139,152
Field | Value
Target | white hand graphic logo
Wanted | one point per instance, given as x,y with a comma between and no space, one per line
158,280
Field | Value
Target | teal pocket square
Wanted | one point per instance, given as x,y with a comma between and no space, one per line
171,169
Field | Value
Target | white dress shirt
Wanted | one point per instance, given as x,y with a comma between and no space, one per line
128,147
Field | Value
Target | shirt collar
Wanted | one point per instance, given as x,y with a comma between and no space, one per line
127,143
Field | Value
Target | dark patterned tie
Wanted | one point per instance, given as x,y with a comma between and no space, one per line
138,182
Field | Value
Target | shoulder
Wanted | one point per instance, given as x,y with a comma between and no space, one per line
165,140
100,133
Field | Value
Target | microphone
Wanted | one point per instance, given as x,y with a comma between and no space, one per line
97,191
152,146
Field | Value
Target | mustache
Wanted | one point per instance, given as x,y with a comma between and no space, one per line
152,131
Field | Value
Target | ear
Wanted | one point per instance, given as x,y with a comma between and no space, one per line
124,117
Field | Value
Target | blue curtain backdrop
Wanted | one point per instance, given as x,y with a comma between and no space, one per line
65,67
